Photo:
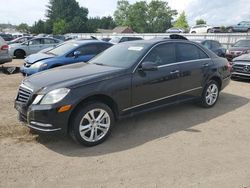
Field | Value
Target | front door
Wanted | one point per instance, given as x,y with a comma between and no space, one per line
154,86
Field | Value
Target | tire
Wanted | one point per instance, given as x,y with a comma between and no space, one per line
210,94
19,54
209,31
87,129
193,32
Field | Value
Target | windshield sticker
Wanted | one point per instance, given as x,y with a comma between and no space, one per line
135,48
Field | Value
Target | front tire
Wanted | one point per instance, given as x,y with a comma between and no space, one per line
92,124
210,94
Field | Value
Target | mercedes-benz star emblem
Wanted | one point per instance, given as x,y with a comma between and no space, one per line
247,68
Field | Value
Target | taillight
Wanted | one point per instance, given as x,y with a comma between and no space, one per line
229,66
5,47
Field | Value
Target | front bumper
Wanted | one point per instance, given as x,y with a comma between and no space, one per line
27,71
44,118
240,75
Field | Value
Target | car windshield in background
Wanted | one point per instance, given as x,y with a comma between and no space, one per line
63,49
121,55
115,40
242,43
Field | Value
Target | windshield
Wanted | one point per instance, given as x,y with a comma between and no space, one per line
121,55
63,49
242,43
115,40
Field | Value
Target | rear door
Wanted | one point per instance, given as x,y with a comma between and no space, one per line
154,86
34,46
194,66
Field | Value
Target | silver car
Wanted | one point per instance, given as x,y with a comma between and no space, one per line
4,55
32,46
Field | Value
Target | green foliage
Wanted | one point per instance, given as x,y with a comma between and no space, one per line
181,22
155,16
23,27
38,27
121,14
200,22
59,27
100,23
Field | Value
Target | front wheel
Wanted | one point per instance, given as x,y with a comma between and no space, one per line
92,124
210,94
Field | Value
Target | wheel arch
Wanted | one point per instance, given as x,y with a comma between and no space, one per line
217,79
96,98
19,49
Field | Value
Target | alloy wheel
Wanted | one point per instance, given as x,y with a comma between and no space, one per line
94,125
212,94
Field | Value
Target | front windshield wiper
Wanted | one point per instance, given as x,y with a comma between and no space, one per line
99,64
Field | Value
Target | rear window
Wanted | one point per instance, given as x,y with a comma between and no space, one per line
188,52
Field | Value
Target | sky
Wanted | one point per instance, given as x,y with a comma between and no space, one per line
215,12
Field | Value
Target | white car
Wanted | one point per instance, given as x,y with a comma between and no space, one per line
201,29
32,46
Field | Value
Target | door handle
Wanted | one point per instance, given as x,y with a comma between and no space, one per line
174,72
206,65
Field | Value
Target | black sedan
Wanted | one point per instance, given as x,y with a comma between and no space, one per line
213,45
86,99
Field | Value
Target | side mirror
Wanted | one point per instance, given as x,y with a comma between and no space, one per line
76,54
149,66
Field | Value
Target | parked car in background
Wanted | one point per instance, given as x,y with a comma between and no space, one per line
240,27
215,30
107,39
85,99
4,52
239,48
64,54
175,30
241,67
201,29
20,40
213,45
6,37
32,46
116,40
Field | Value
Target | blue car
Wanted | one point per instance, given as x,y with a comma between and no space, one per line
67,53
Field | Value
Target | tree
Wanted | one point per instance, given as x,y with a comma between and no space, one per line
160,16
59,27
74,16
23,27
137,15
200,22
143,17
181,22
121,14
100,23
38,27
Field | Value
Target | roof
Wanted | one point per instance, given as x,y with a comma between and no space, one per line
121,29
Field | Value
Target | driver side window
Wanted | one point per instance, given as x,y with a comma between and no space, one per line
35,42
162,54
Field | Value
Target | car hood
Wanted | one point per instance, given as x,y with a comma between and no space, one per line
238,48
38,57
71,76
245,57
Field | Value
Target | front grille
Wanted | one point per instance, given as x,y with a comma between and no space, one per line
24,94
241,68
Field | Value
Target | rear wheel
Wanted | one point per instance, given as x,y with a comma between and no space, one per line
210,94
19,54
92,124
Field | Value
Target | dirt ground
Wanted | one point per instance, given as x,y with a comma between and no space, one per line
180,146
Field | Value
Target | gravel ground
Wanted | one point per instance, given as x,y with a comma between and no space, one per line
180,146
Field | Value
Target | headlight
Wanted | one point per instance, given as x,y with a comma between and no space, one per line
38,65
55,96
